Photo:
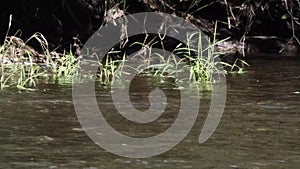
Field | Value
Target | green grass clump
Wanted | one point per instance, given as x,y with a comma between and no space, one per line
202,63
22,67
109,70
19,65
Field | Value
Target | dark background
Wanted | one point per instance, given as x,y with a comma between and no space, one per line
61,20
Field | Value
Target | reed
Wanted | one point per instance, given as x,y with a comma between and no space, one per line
23,67
201,63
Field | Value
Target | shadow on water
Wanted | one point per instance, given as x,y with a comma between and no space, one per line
259,128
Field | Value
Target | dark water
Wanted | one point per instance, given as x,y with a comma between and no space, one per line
259,128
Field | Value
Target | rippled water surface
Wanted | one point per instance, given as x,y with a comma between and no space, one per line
259,128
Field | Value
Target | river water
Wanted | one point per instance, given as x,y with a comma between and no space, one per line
259,128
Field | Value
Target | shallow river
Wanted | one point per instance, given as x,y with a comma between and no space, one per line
259,128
